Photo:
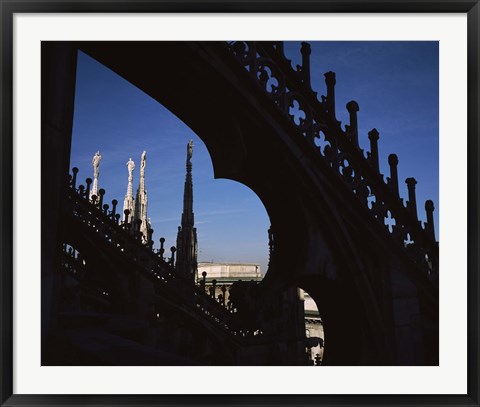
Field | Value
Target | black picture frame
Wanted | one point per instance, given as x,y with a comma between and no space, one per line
9,8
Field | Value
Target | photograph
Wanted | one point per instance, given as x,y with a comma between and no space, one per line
245,203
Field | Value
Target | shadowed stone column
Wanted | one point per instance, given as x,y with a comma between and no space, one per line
59,61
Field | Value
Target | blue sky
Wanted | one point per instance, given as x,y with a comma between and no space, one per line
394,83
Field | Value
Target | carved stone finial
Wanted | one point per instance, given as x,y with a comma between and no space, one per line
141,201
173,249
330,81
353,108
128,201
130,165
330,78
429,225
162,249
143,163
187,234
101,193
74,177
214,287
96,164
411,182
393,160
393,180
429,207
149,237
412,200
373,136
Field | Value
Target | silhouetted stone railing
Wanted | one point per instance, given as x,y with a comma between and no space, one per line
290,90
125,237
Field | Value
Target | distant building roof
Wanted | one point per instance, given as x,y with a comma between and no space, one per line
230,271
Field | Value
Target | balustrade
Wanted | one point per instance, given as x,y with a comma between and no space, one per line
161,271
315,121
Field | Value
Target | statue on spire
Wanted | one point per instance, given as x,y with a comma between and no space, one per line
141,201
189,150
131,167
143,163
96,164
128,202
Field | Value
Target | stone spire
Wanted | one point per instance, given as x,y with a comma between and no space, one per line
187,233
96,164
128,202
141,201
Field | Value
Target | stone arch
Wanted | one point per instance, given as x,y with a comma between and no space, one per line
251,142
